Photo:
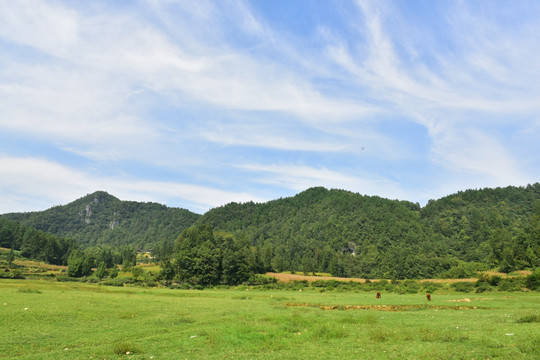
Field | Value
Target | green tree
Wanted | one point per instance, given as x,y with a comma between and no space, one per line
10,258
78,265
101,271
235,263
113,273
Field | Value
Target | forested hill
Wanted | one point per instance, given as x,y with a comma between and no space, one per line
348,234
333,231
101,218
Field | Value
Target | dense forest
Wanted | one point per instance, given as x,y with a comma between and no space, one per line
100,218
347,234
318,230
52,249
35,244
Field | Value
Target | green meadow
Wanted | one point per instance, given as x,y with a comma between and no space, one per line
44,319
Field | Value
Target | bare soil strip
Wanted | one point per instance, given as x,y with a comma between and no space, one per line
393,308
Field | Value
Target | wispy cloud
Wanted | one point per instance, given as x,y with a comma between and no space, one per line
37,181
462,94
301,177
384,97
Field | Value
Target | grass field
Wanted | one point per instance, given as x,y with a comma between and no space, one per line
44,319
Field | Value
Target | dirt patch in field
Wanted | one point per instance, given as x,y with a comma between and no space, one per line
392,308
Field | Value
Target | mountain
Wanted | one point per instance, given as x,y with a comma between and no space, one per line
349,234
333,231
100,218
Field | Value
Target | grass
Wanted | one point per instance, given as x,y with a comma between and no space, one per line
43,319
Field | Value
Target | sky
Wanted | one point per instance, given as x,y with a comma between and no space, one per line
195,104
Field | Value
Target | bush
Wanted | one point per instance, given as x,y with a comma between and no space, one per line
117,281
495,280
411,286
64,278
101,271
13,274
125,348
319,283
461,271
30,291
511,284
381,285
114,272
463,286
430,287
533,281
529,319
260,280
482,286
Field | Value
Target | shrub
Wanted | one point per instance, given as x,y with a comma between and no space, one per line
136,272
494,280
380,285
511,284
125,348
114,272
30,291
529,319
533,281
64,278
116,282
319,283
463,286
430,287
411,286
101,271
483,286
13,274
461,271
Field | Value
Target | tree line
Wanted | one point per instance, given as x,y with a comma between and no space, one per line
204,257
347,234
319,230
49,248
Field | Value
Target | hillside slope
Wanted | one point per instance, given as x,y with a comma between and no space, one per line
333,231
348,234
100,218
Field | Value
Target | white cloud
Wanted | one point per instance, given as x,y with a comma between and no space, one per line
46,26
476,154
464,99
175,85
301,177
94,95
36,184
273,136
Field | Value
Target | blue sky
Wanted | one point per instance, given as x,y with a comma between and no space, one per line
195,104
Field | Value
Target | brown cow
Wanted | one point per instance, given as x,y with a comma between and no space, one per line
428,296
378,295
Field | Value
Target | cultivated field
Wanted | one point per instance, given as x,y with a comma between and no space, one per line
44,319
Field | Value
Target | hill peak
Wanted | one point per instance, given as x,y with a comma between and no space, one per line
97,197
